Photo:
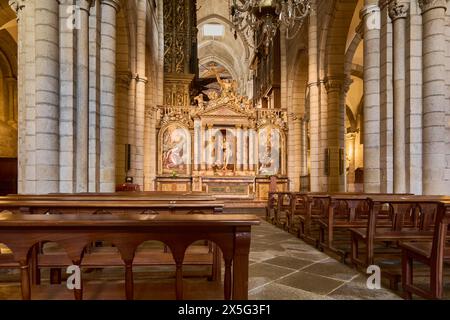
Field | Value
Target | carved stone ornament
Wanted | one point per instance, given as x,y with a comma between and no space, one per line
398,10
426,5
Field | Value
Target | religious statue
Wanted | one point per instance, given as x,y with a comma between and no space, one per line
199,100
268,158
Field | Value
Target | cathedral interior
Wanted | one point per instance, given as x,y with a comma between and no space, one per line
249,103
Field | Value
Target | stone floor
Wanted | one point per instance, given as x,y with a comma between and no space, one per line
282,267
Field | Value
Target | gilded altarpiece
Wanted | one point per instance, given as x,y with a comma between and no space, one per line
223,147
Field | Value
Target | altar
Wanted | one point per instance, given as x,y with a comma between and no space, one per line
223,146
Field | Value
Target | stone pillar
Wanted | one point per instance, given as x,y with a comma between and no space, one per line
47,96
141,82
109,9
82,131
351,137
150,149
323,129
131,124
304,147
371,17
386,101
28,46
414,100
335,89
94,97
398,13
434,99
139,124
314,99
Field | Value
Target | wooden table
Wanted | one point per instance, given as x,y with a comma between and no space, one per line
232,233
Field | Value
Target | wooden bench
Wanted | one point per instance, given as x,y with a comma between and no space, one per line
232,233
328,211
433,254
102,204
412,219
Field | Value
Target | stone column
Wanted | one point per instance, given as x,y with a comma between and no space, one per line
304,147
139,124
314,99
150,148
398,13
82,133
351,136
47,96
131,124
335,89
371,17
434,99
141,82
94,97
27,32
386,101
109,9
414,100
323,130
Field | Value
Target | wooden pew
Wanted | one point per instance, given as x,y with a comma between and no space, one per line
433,254
271,206
104,205
412,219
232,233
282,209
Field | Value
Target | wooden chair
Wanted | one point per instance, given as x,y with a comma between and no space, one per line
272,204
283,207
406,217
431,254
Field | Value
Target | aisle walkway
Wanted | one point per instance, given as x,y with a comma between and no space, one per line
284,267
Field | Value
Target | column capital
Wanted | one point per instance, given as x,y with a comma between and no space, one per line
426,5
294,116
16,5
336,83
113,3
398,10
369,9
141,78
85,4
124,78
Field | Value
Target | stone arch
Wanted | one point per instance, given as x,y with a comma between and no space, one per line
337,36
8,95
241,36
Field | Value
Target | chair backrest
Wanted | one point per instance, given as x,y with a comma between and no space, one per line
440,233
